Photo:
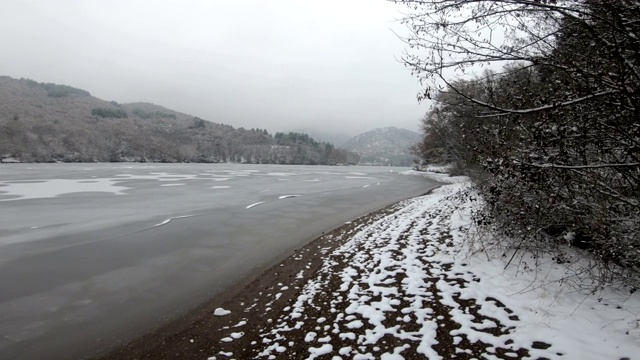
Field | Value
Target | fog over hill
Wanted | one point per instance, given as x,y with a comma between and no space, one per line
44,122
384,146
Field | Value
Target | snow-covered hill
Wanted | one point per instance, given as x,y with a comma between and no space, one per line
384,146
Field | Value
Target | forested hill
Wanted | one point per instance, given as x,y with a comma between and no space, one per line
44,122
384,146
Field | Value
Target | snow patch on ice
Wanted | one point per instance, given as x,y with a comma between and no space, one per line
288,196
23,190
279,174
172,218
255,204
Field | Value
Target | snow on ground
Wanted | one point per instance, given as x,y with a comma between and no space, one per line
166,221
221,312
408,287
438,174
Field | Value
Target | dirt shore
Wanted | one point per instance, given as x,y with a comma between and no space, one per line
251,303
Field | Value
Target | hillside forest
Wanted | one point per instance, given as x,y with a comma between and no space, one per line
547,123
44,122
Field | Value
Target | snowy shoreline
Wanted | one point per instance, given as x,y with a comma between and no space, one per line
405,283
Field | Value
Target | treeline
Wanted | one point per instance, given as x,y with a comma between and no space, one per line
110,113
552,140
57,91
149,114
66,124
115,134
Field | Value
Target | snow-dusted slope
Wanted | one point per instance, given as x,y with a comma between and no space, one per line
384,146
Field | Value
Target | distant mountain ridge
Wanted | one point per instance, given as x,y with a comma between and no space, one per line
45,122
384,146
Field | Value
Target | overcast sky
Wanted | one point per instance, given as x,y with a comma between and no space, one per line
279,65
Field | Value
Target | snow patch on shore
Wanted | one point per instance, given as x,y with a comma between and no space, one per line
410,278
221,312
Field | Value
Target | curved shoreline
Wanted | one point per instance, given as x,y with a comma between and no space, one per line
196,334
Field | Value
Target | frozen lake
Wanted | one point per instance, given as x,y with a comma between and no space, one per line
93,254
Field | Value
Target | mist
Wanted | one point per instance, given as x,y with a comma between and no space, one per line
329,67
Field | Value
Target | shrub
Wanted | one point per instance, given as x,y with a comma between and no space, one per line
109,113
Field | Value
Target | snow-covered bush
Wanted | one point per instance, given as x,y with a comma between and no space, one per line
553,139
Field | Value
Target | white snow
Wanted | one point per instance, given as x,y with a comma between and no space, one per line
172,218
255,204
310,336
163,223
288,196
437,176
22,190
280,174
221,312
159,176
322,350
418,266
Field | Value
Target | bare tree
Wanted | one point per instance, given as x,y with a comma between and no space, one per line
457,37
554,126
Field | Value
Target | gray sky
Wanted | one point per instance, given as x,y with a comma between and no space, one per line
280,65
